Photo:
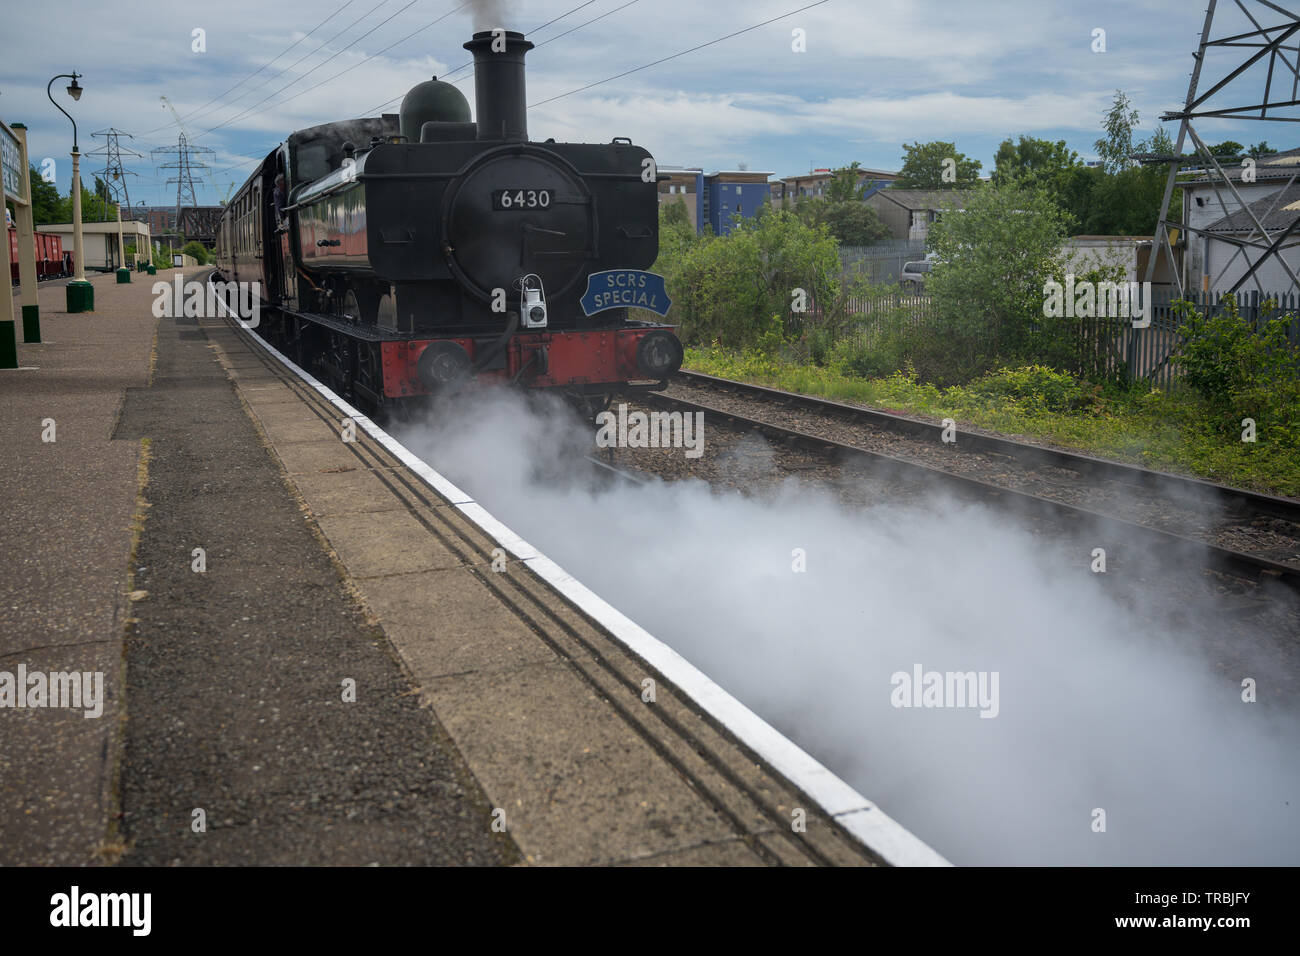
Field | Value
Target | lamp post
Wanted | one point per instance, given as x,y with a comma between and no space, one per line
123,273
143,216
81,294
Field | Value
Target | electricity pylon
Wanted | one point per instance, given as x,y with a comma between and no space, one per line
1242,57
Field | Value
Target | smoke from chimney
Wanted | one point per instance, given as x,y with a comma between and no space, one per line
488,14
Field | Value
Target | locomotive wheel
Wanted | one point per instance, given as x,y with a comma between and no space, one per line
589,406
370,373
339,363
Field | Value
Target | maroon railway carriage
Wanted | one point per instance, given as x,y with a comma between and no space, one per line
50,260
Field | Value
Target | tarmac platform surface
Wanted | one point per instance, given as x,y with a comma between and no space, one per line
491,721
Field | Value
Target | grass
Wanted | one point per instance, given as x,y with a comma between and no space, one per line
1166,431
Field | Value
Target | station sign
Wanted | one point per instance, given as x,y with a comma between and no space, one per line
625,289
11,164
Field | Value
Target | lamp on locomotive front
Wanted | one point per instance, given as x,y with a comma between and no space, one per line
532,305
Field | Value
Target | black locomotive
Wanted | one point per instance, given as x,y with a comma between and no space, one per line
405,254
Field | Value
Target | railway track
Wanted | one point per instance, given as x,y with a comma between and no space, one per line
1042,482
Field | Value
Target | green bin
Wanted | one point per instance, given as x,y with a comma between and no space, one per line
81,297
152,270
123,275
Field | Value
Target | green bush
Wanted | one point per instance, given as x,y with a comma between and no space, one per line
198,251
993,258
1241,372
770,336
852,356
726,289
820,342
1034,388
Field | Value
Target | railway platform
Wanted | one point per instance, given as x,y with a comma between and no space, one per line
310,656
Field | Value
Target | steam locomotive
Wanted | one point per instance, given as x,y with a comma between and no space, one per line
411,253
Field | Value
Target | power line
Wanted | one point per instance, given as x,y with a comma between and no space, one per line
542,43
674,56
375,109
377,53
381,106
307,55
588,23
219,96
608,79
560,17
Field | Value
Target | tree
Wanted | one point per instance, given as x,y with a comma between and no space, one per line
1122,198
1228,149
197,251
45,200
1035,163
992,261
1261,149
1127,203
1160,143
727,289
1116,148
844,186
936,165
675,212
853,223
842,212
1075,196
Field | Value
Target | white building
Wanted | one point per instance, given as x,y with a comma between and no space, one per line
1131,253
1214,264
102,253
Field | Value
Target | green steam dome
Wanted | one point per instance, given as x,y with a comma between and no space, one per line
432,101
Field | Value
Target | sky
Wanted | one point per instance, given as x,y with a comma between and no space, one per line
874,74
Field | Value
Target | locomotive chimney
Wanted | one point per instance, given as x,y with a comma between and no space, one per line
500,104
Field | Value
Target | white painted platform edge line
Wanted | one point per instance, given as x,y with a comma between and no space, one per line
872,827
896,844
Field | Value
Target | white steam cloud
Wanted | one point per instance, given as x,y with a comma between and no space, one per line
488,14
1097,709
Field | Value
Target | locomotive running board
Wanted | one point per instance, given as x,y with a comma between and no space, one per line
356,330
879,833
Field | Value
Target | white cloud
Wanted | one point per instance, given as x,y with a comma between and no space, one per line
875,75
